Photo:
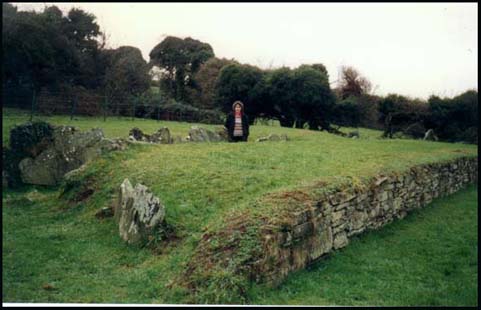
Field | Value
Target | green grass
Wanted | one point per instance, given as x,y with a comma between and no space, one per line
112,127
428,259
49,241
120,126
83,259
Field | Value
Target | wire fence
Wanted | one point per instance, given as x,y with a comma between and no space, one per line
85,103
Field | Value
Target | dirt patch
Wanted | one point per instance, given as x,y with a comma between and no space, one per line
78,190
105,212
460,151
226,249
83,195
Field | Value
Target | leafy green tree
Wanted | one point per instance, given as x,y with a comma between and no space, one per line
391,104
319,67
28,55
346,113
82,30
313,98
368,111
295,96
282,95
127,73
49,49
244,83
399,113
206,78
455,119
181,59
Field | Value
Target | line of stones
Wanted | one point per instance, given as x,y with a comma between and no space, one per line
328,224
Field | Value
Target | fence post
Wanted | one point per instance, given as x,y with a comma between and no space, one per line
105,107
73,108
158,111
133,107
33,105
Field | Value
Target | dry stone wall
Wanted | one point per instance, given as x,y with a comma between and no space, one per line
328,224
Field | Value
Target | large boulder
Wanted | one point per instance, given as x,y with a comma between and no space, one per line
138,212
161,136
46,169
353,134
222,132
69,150
199,134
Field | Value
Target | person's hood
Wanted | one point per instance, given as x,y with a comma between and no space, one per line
240,103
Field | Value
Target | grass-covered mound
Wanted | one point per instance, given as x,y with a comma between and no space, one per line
55,249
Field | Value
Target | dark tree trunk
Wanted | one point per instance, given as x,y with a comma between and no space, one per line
286,122
299,123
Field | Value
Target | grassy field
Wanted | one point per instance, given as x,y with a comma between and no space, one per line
120,126
56,251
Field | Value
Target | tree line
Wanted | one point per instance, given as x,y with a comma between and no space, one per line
67,52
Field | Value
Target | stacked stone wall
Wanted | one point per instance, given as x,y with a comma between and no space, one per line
328,224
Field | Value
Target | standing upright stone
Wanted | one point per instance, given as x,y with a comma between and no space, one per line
199,134
162,136
430,136
138,212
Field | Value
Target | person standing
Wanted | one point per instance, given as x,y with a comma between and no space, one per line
237,123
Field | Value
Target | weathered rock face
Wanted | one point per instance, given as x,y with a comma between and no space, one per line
273,137
199,134
430,136
116,144
70,150
138,212
222,132
353,134
161,136
45,169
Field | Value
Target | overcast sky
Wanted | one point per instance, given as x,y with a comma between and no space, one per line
413,49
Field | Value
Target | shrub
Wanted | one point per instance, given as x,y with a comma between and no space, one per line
27,140
400,113
415,130
455,119
157,106
346,113
369,113
30,139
